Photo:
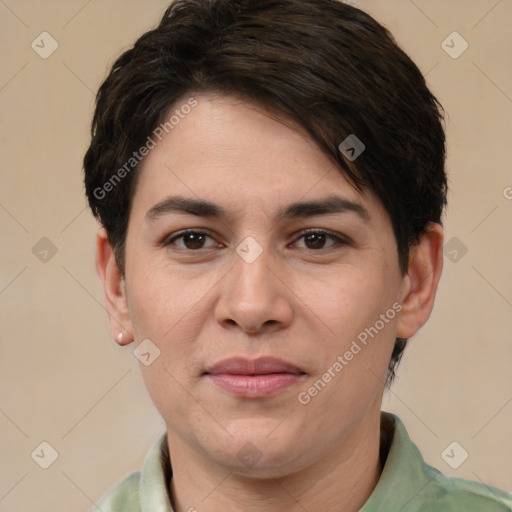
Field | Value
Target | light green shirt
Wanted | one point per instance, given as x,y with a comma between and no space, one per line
407,483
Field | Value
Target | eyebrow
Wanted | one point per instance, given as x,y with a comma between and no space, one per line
302,209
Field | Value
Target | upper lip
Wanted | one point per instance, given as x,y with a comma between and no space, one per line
260,366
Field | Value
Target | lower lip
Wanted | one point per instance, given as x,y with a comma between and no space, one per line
255,386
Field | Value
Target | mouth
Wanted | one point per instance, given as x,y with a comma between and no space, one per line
255,378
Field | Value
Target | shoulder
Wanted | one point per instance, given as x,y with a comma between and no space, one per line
122,496
454,494
409,484
144,488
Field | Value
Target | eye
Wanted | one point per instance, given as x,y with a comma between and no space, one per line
314,239
192,240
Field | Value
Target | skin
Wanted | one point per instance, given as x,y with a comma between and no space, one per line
297,301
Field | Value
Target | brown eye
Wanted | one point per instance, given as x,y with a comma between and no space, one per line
192,240
315,239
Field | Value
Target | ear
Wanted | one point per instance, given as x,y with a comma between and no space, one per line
114,290
420,283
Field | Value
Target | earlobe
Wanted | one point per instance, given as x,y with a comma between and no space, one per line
114,290
421,281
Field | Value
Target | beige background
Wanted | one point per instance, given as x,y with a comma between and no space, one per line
64,381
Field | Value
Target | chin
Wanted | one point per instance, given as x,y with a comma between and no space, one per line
257,452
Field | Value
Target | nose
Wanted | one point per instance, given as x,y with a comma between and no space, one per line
254,296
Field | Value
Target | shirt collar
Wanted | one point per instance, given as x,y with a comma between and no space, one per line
155,478
404,475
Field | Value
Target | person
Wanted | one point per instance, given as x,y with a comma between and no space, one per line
269,178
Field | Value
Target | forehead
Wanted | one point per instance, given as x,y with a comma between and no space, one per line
243,158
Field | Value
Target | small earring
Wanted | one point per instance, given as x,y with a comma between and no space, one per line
120,337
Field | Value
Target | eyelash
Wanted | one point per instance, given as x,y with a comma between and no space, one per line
339,240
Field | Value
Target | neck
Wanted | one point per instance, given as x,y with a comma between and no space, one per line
342,481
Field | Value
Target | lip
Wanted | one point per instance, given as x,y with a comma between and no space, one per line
260,366
254,378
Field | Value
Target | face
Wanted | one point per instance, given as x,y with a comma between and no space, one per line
258,279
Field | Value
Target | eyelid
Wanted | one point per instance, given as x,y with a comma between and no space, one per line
337,237
168,239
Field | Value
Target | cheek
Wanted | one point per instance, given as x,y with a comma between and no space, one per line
167,310
163,303
347,310
346,302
